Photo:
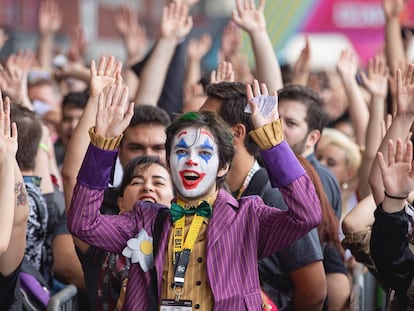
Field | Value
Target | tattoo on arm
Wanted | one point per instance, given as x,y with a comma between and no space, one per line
21,194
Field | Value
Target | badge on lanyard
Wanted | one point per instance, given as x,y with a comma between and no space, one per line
174,305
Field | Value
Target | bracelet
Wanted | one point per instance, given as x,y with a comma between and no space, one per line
394,196
44,147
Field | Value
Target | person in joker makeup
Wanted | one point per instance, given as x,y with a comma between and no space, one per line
206,251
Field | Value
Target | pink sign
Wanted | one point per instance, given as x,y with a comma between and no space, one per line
362,21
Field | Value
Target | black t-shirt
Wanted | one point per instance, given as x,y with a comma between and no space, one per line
10,296
274,270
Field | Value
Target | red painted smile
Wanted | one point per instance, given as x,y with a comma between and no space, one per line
191,178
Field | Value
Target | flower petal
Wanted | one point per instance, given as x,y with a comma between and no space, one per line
136,256
134,243
127,252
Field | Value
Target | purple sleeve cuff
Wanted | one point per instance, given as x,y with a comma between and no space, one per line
96,167
282,165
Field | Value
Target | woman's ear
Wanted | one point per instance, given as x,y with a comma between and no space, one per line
121,204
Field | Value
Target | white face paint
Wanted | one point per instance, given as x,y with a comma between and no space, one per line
194,163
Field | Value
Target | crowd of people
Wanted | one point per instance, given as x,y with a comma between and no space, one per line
153,184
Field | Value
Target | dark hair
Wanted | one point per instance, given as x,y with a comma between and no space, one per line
30,133
316,115
141,163
220,130
149,114
76,99
146,114
328,229
233,98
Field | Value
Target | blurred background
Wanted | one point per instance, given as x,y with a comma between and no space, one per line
330,24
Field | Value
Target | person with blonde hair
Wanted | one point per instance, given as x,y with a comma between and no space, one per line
343,157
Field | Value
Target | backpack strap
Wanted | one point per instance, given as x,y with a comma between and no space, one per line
34,288
153,288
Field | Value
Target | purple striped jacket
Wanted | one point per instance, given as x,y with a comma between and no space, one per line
239,232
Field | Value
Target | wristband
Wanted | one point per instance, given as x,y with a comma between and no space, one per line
44,147
394,196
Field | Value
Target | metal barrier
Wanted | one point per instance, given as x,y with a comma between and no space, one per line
64,300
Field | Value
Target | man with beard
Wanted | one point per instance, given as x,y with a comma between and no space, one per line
304,118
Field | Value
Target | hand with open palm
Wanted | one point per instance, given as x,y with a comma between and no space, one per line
8,134
397,173
107,73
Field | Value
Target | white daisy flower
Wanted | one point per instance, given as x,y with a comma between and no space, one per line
139,249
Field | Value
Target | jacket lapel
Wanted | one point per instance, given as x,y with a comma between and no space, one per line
225,210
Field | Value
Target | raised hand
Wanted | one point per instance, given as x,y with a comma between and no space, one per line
405,91
301,68
78,45
255,91
8,135
248,17
107,73
22,59
114,111
13,79
194,97
347,65
230,41
398,173
50,17
175,22
393,8
133,34
198,48
224,73
376,81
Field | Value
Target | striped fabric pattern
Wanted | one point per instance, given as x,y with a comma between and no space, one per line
238,234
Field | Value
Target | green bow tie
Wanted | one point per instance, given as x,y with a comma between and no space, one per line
203,209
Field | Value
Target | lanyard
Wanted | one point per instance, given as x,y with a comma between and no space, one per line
182,249
248,178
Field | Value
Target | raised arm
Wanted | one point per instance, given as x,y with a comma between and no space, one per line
301,67
84,219
175,25
14,209
8,148
105,75
376,82
397,175
133,34
196,50
347,67
252,20
391,230
78,46
13,78
230,42
394,47
400,127
50,21
285,172
135,40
